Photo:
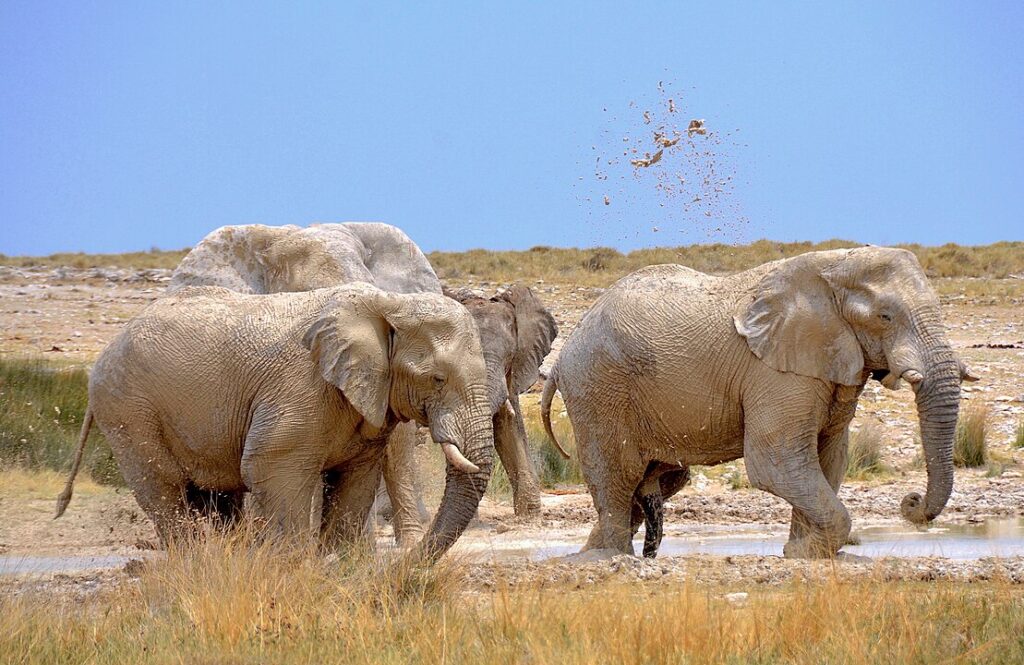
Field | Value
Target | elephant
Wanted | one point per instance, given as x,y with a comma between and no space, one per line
516,329
212,390
672,367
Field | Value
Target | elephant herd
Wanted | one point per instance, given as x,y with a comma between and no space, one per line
293,366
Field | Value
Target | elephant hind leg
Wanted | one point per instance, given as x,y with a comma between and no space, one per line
661,482
613,470
157,480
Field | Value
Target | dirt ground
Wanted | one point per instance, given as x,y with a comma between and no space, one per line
68,315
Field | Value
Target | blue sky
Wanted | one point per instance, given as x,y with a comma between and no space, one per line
124,126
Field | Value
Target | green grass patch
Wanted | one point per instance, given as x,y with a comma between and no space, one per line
41,411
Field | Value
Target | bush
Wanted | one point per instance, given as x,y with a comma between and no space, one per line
969,446
1018,437
41,411
864,455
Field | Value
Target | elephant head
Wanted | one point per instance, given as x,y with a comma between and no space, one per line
414,357
843,315
516,331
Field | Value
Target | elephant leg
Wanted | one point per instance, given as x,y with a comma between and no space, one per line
661,482
349,499
399,477
156,478
282,473
613,470
512,446
793,472
832,456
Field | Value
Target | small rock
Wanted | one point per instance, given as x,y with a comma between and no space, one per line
738,599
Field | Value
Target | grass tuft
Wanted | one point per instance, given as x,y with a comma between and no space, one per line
864,454
970,448
1018,435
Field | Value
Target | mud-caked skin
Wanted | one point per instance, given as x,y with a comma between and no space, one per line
209,392
674,366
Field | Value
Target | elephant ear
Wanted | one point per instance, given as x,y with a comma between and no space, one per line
792,323
535,331
351,344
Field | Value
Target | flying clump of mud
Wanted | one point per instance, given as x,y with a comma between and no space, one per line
658,169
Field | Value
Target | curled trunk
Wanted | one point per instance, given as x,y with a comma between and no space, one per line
462,493
938,399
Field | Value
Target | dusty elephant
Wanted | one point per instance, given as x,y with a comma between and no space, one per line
516,330
675,367
213,390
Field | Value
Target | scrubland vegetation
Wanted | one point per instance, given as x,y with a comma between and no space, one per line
970,447
238,599
600,266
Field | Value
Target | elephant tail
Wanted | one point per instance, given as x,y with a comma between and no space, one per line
550,386
65,497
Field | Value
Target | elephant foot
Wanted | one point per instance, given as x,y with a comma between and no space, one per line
409,536
846,557
807,548
590,556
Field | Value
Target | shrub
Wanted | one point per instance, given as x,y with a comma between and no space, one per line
864,454
969,446
1018,437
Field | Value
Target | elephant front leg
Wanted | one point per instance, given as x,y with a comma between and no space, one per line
832,457
349,499
511,444
792,472
282,476
400,478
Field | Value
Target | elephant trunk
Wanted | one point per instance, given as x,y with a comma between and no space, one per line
462,491
938,400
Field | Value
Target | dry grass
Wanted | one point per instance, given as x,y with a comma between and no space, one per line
235,599
42,484
864,455
1018,435
599,266
970,447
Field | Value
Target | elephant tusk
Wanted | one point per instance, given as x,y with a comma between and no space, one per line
451,451
913,377
891,381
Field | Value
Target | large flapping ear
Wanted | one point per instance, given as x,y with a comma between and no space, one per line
792,322
351,344
535,331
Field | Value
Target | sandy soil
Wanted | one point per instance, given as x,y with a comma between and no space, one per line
69,315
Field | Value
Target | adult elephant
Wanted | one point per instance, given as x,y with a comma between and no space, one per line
212,390
516,329
672,367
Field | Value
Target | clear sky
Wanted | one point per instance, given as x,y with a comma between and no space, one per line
480,124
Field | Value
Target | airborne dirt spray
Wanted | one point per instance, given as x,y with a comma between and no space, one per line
661,174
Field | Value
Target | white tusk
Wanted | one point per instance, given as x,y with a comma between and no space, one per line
451,451
891,381
913,377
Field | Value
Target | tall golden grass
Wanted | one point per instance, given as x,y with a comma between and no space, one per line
236,599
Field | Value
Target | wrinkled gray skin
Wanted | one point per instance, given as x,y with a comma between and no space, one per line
676,367
516,332
515,328
212,390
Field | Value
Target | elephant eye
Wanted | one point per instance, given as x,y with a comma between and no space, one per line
885,317
439,381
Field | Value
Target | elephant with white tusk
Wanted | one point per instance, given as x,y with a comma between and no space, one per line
208,390
515,329
672,367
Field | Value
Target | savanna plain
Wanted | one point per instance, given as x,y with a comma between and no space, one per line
93,587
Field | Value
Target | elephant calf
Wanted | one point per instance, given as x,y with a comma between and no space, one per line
213,390
672,367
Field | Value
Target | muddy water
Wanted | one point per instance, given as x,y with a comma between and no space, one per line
953,541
